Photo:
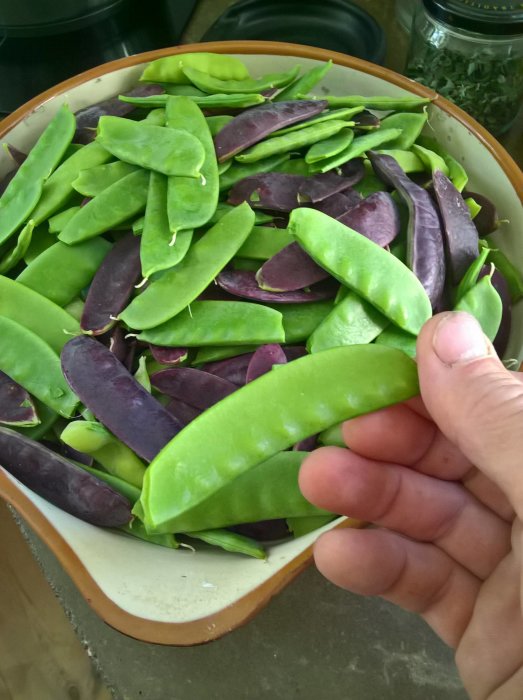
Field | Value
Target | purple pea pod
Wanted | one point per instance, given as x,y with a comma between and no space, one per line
87,118
487,220
274,191
318,188
376,217
193,386
112,285
366,120
306,445
242,283
460,234
254,124
500,285
294,352
168,356
426,249
16,405
68,452
183,412
233,369
337,204
107,389
123,348
263,360
264,530
353,170
290,269
62,483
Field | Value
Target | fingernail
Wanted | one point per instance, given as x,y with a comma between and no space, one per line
459,338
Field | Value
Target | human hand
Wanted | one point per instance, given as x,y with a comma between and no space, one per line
442,481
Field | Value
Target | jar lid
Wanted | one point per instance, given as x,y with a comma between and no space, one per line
482,16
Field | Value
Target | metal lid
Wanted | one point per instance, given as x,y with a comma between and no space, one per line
481,16
337,25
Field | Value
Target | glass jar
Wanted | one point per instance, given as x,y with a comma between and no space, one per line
471,52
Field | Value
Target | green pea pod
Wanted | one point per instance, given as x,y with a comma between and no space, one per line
183,90
156,116
223,167
302,526
473,207
170,68
334,385
75,308
470,278
212,85
328,148
92,438
93,181
62,271
509,271
37,313
352,321
369,185
58,188
59,221
304,83
411,125
380,103
24,191
136,529
216,123
291,142
207,102
191,203
264,242
238,171
430,159
394,337
346,113
17,253
159,249
132,493
168,151
213,353
40,240
457,172
363,266
218,323
300,320
179,286
115,205
484,303
357,148
230,541
142,375
32,363
408,161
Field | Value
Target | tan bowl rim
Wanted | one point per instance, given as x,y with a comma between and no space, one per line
216,625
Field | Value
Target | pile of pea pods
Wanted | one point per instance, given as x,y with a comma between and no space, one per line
202,278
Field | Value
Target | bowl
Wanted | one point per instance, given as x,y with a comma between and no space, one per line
182,597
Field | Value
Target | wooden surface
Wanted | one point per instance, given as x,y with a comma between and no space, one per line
40,656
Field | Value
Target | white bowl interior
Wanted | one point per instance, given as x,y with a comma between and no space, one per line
180,586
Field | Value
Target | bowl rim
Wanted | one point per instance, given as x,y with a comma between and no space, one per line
229,618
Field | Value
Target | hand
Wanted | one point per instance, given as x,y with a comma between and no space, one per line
442,481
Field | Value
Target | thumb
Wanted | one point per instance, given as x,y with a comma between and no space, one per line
474,400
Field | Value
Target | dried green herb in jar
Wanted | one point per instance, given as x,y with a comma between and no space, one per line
456,51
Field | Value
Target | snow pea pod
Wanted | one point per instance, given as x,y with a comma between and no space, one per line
156,116
484,303
58,222
115,205
363,266
352,321
168,151
264,242
230,541
304,83
169,69
59,187
381,103
91,181
156,251
212,85
190,202
178,287
16,254
457,172
430,159
216,123
238,171
345,113
219,323
328,148
40,241
509,271
300,320
334,385
37,313
291,142
411,125
62,271
408,161
358,147
23,192
207,102
92,438
32,363
213,353
394,337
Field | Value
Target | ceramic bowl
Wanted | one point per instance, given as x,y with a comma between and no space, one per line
181,597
